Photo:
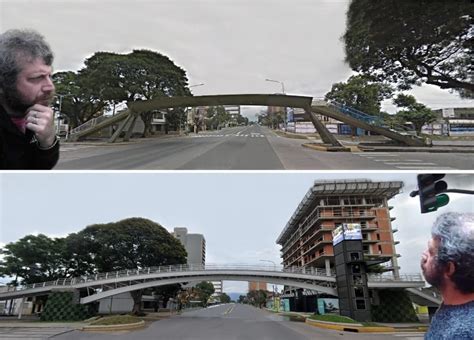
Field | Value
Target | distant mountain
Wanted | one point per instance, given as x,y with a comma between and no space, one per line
235,296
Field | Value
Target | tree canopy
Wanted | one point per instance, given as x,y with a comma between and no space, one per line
412,42
360,93
110,78
127,244
224,298
37,258
257,298
412,111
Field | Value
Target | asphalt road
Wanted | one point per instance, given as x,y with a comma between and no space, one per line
243,148
229,322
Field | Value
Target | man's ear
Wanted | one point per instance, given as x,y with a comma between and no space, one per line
450,269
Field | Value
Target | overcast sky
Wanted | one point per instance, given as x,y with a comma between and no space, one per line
231,46
240,214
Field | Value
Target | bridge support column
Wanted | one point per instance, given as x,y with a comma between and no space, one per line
328,267
120,129
326,136
130,128
20,312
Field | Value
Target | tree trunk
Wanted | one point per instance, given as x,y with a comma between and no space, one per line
146,118
137,301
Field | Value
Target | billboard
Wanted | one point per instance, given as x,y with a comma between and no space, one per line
352,231
328,306
346,231
337,235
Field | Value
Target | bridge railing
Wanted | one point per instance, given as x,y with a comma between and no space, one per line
391,278
374,120
208,268
164,269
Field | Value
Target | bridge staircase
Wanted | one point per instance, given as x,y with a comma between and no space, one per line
96,124
354,117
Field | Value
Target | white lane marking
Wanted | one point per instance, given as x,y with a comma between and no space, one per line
411,163
209,135
436,167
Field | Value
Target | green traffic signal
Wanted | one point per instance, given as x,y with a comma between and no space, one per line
439,201
430,189
442,200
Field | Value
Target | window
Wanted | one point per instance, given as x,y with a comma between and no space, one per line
356,268
358,292
355,256
357,279
360,304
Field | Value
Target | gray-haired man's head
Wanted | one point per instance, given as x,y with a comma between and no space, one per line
18,49
452,244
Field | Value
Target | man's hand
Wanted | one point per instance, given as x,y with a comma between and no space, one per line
40,120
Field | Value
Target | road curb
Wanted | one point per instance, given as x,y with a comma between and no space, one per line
111,328
349,327
326,148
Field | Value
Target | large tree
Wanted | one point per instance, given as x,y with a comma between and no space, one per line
410,42
77,98
205,290
129,244
140,75
361,93
217,117
412,111
257,298
37,258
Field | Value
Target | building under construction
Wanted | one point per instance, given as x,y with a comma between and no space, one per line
306,239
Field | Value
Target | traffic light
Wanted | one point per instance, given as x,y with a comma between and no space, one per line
430,189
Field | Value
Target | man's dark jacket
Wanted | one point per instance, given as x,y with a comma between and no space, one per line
20,150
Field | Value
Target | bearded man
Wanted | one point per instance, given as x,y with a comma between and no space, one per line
448,264
27,134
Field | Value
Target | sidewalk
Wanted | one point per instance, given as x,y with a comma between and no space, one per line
38,324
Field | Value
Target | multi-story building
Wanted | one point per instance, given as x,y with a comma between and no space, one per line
195,245
307,238
218,287
234,113
255,285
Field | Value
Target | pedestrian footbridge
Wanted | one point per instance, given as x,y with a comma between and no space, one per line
126,119
104,285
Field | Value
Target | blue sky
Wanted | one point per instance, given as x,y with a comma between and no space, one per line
240,214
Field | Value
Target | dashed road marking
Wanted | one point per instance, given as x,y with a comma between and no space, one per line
233,135
398,162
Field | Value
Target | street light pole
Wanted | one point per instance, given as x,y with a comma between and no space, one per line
274,293
283,91
277,81
274,264
60,96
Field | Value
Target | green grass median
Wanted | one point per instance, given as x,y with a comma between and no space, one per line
332,318
116,320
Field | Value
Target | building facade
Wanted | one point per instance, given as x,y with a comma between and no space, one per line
195,245
307,238
255,285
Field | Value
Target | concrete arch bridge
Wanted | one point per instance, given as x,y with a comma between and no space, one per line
105,285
